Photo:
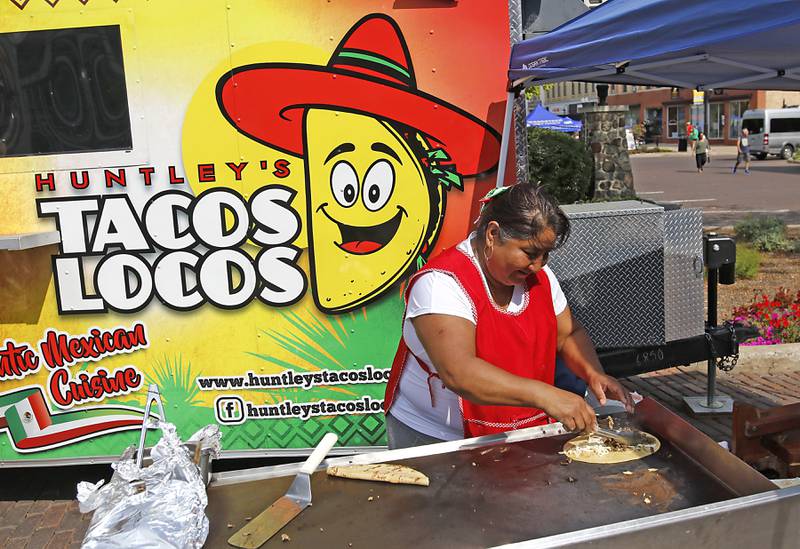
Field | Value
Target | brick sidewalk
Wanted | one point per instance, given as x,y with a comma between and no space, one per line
50,523
752,386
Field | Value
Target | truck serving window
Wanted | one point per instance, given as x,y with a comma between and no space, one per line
63,91
753,125
784,125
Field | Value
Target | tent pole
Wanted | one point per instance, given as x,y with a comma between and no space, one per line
501,164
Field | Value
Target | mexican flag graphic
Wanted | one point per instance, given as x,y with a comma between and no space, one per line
32,427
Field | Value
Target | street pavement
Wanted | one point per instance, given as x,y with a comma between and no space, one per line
771,189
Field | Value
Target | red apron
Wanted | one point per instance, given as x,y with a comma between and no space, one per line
522,343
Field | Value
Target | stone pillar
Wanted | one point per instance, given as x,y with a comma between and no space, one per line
604,128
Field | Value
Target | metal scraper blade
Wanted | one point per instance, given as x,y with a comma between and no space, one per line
629,438
256,532
279,514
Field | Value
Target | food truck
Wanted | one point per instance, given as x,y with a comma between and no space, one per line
224,198
193,197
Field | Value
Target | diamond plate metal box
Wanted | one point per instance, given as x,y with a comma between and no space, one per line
683,273
633,273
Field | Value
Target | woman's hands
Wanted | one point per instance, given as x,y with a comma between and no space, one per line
571,410
579,354
604,386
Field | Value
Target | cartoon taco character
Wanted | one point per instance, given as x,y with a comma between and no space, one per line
379,156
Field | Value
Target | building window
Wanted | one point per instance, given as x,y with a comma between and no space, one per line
653,122
632,116
63,91
715,120
676,121
735,111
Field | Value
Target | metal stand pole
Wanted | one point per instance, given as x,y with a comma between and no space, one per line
713,280
711,403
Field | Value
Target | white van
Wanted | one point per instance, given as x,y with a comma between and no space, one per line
773,131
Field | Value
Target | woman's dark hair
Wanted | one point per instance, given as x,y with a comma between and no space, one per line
523,212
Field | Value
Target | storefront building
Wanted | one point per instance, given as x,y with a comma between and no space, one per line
665,111
668,109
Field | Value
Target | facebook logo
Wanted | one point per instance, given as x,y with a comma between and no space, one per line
229,410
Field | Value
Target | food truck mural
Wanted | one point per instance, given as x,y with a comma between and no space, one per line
225,201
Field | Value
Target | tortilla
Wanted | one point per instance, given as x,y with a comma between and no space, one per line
381,472
593,448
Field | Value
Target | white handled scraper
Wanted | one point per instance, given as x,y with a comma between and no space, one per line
256,532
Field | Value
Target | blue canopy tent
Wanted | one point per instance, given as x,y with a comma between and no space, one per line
701,45
540,117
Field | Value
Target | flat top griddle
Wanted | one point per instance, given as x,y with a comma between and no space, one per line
493,495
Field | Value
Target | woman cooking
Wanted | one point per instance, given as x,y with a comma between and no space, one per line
484,322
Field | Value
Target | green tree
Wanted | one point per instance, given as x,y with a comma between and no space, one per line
532,92
561,164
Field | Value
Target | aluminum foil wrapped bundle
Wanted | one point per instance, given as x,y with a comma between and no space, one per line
161,505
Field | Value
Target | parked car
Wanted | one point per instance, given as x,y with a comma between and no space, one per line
773,131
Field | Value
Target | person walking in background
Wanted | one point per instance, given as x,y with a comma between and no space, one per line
692,135
701,150
743,152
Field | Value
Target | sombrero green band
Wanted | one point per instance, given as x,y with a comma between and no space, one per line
367,56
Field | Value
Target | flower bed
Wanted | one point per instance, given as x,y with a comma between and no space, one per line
777,318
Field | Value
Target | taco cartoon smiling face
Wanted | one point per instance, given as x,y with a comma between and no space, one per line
380,155
368,206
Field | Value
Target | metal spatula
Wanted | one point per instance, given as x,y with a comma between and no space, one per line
629,438
280,513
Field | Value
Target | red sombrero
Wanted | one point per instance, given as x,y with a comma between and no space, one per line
369,73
